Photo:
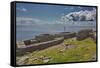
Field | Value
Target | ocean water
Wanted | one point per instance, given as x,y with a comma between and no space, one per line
24,32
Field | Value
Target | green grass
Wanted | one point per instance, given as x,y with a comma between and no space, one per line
83,51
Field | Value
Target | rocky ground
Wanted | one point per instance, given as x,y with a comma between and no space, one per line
71,50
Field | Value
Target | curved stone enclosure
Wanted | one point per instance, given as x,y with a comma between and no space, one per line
47,40
39,46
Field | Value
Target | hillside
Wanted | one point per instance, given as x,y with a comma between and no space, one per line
71,50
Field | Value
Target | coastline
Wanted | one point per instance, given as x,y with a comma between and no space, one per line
46,40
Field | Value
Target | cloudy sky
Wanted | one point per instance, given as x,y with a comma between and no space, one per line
37,13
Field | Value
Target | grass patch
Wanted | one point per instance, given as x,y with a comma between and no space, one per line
84,51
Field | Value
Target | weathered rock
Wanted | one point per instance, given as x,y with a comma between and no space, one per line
41,57
82,34
69,46
94,57
22,60
20,44
93,36
45,59
61,51
69,35
34,59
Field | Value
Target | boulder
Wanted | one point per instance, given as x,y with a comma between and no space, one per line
20,44
46,59
82,34
22,60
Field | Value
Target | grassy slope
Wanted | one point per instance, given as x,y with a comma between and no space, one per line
83,51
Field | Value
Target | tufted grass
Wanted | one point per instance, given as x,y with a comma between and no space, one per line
81,51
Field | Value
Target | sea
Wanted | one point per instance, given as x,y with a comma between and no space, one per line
29,31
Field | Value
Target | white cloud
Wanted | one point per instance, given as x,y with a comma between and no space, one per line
27,20
22,9
34,21
80,16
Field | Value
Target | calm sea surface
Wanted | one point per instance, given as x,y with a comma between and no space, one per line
30,31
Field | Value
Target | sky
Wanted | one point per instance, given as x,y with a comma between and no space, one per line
39,13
